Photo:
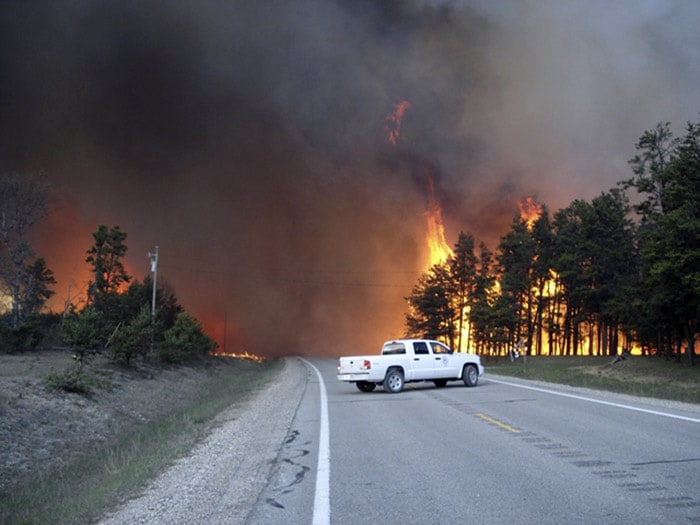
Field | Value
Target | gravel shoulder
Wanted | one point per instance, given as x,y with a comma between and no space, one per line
220,481
217,483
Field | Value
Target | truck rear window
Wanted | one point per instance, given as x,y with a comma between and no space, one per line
393,348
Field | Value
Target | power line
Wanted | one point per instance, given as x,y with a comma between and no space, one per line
282,279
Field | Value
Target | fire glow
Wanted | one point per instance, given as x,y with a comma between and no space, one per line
244,355
530,211
393,121
438,249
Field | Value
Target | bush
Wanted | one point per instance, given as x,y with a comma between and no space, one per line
84,333
133,338
25,337
185,341
71,380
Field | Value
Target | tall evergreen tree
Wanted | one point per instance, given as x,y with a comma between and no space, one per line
681,226
481,314
656,150
571,257
669,237
609,237
431,313
516,255
105,257
542,279
463,275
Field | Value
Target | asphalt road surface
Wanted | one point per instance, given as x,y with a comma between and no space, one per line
506,451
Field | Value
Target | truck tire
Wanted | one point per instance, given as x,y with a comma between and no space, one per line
364,386
470,375
393,382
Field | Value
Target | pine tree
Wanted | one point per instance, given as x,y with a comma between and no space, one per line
105,257
463,269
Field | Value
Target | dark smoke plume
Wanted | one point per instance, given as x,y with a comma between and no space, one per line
247,138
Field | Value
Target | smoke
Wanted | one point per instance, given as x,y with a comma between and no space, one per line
247,139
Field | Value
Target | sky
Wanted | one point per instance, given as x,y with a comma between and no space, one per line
249,140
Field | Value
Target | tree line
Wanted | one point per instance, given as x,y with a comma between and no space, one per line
116,317
598,277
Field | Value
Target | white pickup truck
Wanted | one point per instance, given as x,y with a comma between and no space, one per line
407,360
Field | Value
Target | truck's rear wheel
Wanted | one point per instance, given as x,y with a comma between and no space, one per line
470,375
364,386
393,382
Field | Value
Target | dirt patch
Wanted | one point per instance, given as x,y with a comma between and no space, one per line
40,430
627,371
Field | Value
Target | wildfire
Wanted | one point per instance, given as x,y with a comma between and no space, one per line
530,210
244,355
438,248
393,121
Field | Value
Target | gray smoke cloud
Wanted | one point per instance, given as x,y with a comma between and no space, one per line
247,139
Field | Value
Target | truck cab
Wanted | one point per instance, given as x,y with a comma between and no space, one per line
407,360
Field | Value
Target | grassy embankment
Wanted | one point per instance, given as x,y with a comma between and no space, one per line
81,492
639,376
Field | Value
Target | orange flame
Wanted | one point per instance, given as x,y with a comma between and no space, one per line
438,248
244,355
393,121
530,211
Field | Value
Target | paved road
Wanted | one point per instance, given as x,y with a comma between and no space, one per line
504,452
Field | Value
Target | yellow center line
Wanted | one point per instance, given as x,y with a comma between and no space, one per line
497,423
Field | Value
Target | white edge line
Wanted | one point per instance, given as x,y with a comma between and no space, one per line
600,402
322,507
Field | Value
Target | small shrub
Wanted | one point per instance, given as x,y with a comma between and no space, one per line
25,337
72,380
133,339
185,341
83,333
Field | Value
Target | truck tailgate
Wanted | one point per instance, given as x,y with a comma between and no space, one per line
354,367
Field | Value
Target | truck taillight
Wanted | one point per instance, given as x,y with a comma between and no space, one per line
367,364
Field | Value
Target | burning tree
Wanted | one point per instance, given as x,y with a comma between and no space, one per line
463,269
516,257
563,279
587,281
594,262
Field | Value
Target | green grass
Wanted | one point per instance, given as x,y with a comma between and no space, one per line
82,491
640,376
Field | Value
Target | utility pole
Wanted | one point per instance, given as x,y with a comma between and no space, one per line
154,270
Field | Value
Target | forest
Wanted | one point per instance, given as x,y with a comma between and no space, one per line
619,274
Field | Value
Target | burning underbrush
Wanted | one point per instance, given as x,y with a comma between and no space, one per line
243,355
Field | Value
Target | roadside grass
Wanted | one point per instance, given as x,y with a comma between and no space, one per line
81,492
639,375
